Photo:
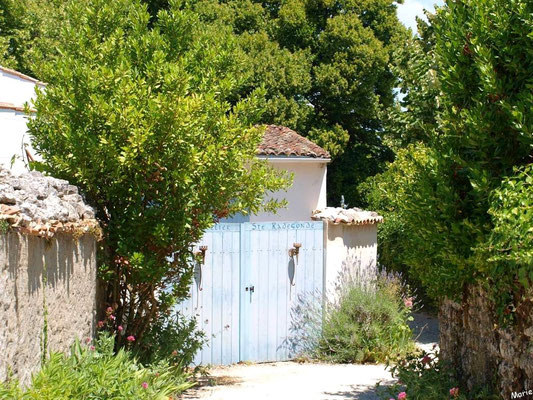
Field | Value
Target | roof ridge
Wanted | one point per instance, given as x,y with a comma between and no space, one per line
21,75
11,106
280,140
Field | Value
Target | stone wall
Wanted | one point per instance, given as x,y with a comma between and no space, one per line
483,353
38,276
48,281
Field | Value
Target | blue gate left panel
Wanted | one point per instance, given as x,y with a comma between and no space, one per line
216,305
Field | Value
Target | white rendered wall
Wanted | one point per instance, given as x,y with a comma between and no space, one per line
351,251
12,136
307,193
16,91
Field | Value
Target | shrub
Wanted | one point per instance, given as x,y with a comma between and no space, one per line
172,337
138,116
96,372
368,324
425,376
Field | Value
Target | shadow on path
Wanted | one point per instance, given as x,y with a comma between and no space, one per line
291,381
425,329
356,393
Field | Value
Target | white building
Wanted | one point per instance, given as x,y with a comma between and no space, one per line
350,235
286,150
351,246
16,90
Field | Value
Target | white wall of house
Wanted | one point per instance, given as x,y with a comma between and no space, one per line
16,88
350,251
12,135
15,91
307,193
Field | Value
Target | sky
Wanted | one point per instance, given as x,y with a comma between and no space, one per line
412,8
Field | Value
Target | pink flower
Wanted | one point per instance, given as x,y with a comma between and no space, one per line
426,360
100,324
145,385
92,348
402,396
130,338
112,317
454,392
109,310
88,340
120,328
408,303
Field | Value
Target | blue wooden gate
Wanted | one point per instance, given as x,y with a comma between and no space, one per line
242,296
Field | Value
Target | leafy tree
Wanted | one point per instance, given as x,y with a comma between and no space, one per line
509,248
9,27
458,199
412,117
410,125
137,115
487,123
29,31
511,210
325,68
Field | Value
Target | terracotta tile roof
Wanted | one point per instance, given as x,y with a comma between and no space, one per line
282,141
13,107
349,216
21,75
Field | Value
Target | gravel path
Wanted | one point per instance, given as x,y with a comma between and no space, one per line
309,381
425,330
292,381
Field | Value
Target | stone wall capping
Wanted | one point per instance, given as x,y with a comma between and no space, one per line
35,204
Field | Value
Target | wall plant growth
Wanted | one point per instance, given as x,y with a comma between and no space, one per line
93,370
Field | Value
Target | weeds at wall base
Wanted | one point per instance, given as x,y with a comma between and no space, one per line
424,376
94,371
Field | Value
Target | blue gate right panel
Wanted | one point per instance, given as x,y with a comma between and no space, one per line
266,322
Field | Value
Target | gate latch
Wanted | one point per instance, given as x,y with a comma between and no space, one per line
250,288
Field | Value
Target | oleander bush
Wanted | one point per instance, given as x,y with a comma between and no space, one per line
172,337
139,115
95,371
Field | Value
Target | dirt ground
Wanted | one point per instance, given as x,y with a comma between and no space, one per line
292,381
307,381
425,329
